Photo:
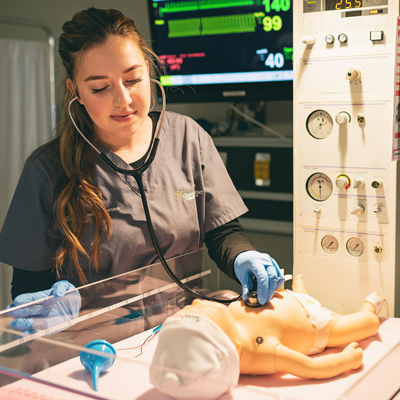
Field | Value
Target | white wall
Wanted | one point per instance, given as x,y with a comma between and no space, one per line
53,13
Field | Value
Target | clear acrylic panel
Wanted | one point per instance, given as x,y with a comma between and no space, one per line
112,309
126,311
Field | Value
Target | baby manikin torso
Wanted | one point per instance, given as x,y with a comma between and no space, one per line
283,320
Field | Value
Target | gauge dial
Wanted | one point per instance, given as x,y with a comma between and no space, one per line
319,124
355,246
319,186
330,244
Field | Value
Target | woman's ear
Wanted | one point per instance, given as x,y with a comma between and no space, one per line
72,89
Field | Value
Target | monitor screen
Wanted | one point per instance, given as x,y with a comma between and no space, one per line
224,50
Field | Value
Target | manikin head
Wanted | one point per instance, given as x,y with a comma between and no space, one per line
197,356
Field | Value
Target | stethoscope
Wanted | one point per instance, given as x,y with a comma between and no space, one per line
137,174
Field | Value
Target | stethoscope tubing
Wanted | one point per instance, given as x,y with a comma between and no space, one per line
137,175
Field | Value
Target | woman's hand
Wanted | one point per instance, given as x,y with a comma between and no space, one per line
58,309
264,268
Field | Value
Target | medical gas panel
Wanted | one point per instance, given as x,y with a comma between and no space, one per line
346,186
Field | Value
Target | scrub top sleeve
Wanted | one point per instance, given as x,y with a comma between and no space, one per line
27,239
225,243
223,202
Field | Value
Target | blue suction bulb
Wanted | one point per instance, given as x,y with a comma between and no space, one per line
95,363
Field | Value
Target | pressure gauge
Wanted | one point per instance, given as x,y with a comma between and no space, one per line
319,124
319,186
355,246
330,244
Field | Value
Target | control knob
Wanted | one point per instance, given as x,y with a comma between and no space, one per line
342,118
358,210
342,38
359,183
353,74
342,182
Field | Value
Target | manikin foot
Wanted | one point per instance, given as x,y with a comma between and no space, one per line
377,301
298,284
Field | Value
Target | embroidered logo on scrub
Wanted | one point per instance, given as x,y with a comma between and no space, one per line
188,196
68,217
178,194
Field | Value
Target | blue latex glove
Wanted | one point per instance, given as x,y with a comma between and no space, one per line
61,308
265,269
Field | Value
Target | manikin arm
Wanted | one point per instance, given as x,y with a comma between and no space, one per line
326,366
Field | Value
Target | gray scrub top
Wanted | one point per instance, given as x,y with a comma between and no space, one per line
188,190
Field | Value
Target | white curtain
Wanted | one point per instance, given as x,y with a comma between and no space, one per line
25,120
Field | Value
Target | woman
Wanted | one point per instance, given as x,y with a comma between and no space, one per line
75,219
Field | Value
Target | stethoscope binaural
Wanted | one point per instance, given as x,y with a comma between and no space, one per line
137,174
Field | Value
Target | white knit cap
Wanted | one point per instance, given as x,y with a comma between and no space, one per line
197,359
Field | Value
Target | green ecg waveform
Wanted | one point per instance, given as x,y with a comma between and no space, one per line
211,25
172,7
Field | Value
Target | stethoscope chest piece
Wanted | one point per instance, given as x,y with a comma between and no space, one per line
252,295
252,300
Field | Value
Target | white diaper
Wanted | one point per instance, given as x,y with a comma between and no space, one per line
319,316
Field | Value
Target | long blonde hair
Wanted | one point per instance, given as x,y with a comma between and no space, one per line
78,203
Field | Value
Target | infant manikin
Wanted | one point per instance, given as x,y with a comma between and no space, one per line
204,348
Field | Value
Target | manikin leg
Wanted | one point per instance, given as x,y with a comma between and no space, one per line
360,325
349,328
